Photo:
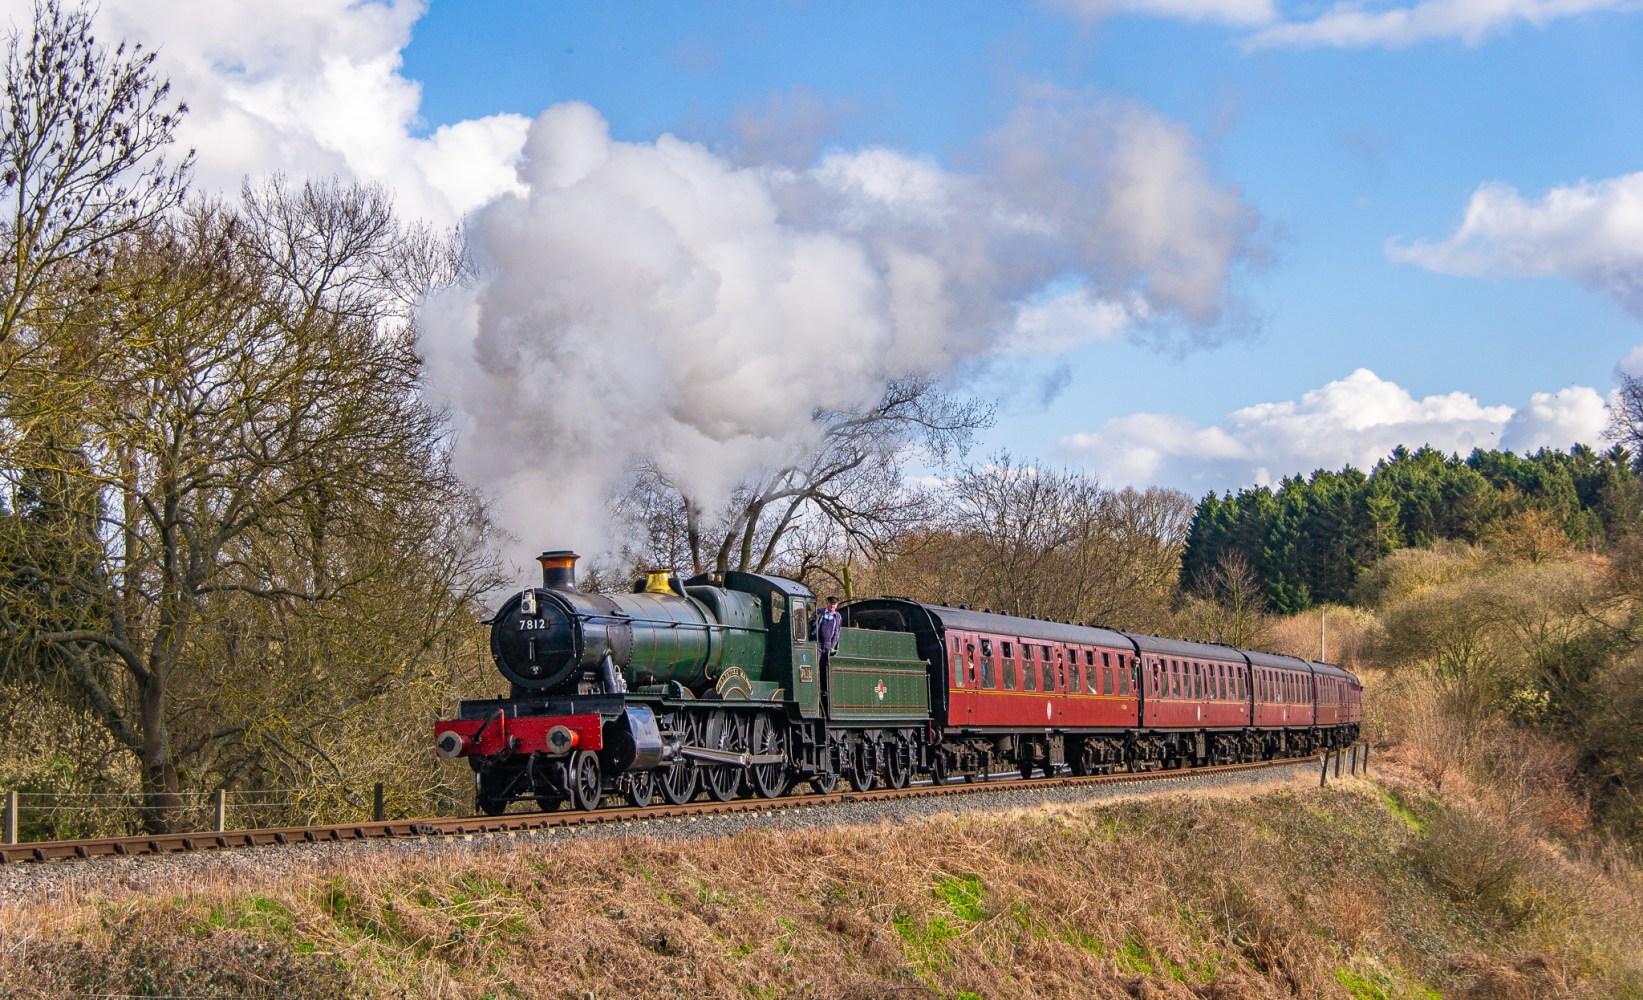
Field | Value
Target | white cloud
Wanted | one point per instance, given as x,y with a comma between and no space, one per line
1632,363
1470,21
1235,12
311,88
1357,420
1590,233
1351,23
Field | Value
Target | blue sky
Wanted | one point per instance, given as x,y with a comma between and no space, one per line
1340,149
1253,239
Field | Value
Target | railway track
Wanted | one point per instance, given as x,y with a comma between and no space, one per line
467,826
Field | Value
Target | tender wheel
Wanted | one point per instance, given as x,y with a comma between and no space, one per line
641,788
586,783
939,772
769,780
896,770
863,775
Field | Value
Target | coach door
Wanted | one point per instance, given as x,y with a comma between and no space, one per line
963,669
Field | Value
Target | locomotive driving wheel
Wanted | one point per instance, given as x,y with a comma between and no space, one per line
678,779
769,780
586,784
726,731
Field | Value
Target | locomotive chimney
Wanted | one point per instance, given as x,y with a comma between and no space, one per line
558,570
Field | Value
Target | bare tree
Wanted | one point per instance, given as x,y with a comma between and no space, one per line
260,461
1234,612
1019,537
851,481
84,136
1626,414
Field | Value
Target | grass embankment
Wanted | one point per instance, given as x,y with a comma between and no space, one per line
1362,891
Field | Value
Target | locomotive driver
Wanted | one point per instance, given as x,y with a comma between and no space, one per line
825,631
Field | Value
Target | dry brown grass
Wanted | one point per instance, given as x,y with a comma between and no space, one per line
1294,893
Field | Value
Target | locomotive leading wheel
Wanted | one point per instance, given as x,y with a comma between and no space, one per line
491,792
641,786
769,780
586,783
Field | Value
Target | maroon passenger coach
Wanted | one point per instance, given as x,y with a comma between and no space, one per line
1030,693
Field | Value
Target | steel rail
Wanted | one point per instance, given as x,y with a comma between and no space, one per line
468,826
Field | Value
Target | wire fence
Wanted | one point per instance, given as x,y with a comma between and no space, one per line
34,815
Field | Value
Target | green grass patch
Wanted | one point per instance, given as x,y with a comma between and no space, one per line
963,895
1398,807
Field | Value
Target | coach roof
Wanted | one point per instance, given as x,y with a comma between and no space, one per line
1026,628
1157,645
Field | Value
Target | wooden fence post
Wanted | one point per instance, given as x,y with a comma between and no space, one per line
11,817
376,803
219,810
1337,763
1323,775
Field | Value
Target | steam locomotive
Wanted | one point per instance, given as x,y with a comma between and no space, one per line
714,685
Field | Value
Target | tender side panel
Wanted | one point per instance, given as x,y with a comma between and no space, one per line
877,677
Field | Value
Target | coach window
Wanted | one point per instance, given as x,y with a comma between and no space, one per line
970,655
1106,680
958,662
1029,671
1009,670
1123,677
1221,680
